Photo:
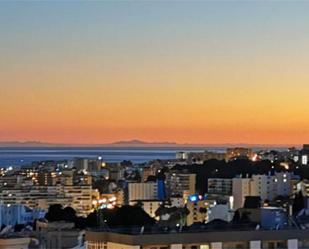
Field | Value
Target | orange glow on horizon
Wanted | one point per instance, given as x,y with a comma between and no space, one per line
195,113
179,72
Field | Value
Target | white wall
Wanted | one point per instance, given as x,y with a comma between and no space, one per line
142,191
111,245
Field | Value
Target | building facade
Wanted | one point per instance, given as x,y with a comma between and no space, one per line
254,239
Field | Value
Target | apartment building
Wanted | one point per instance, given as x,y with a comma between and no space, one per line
78,197
267,187
222,186
178,184
142,191
218,239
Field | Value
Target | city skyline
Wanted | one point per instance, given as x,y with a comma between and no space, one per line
201,73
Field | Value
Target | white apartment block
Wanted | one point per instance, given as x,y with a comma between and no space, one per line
77,197
267,187
241,189
142,191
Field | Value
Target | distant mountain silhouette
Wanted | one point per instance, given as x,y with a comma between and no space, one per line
129,143
136,143
25,144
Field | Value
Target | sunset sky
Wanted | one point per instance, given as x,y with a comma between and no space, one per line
179,71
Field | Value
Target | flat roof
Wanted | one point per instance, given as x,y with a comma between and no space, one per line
195,237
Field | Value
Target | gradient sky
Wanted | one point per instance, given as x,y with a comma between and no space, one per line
197,72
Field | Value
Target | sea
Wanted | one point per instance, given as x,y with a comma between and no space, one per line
19,156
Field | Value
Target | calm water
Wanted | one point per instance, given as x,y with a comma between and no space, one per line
24,156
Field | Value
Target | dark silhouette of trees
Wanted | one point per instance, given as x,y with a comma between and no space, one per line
151,178
245,218
303,172
102,185
126,163
161,173
19,227
55,213
139,203
176,215
236,217
134,175
69,214
299,203
252,202
122,216
126,216
217,224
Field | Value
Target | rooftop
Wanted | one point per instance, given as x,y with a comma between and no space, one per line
193,237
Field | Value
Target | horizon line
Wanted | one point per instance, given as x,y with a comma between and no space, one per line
143,143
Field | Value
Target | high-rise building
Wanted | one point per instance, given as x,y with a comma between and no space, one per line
304,155
222,186
46,178
115,171
267,187
86,164
142,191
241,189
177,184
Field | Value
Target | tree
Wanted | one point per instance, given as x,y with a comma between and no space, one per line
81,222
69,214
129,216
236,217
252,202
102,185
19,227
171,216
139,203
298,203
120,216
245,217
55,213
126,163
151,178
161,173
